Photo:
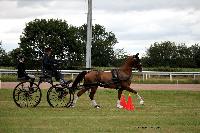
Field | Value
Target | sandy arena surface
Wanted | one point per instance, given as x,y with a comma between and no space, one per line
192,87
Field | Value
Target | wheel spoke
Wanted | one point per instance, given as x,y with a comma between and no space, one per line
24,97
58,97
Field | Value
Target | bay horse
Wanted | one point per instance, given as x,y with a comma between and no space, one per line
119,79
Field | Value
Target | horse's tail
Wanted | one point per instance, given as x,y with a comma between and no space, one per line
79,78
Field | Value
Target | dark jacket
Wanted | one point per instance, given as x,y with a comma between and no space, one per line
21,70
48,62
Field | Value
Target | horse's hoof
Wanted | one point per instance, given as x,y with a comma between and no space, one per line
141,102
71,106
119,106
97,106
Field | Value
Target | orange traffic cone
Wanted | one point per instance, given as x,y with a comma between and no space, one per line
123,101
130,106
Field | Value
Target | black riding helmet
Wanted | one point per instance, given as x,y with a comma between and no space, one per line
48,49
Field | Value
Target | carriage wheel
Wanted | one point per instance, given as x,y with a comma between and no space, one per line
26,96
60,97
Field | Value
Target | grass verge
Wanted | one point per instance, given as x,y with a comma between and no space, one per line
164,111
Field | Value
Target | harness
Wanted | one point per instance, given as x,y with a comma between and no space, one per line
115,78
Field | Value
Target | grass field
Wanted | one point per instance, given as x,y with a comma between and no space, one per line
164,111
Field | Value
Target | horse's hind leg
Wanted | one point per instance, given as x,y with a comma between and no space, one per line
92,93
83,90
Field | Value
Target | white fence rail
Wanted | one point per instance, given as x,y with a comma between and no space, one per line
145,74
65,72
148,74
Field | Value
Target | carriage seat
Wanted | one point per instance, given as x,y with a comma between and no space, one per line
46,77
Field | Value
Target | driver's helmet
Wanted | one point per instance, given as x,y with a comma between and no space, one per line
48,49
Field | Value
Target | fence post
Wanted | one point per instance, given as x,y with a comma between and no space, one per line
170,76
143,76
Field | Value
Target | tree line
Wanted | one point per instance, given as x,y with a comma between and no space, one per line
170,54
69,43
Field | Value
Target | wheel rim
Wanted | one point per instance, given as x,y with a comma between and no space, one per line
24,96
59,97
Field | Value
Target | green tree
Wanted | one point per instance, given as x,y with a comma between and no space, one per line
120,56
160,54
14,55
103,42
57,34
4,58
68,43
169,54
195,53
184,56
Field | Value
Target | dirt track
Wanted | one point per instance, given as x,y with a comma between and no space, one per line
192,87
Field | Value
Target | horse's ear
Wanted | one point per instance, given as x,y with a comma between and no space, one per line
137,55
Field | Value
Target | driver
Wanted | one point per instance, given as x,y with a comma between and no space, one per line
49,65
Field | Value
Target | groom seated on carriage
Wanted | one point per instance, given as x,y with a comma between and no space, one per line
21,73
49,67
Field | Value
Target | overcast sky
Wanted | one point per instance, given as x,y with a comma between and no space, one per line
136,23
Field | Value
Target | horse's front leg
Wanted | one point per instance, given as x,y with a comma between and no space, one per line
136,93
119,97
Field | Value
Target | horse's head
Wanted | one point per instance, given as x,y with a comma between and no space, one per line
137,63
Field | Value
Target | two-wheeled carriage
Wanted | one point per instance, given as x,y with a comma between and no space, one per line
27,95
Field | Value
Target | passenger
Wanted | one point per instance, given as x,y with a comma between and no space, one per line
21,71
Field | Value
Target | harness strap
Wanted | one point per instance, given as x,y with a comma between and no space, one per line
115,78
115,75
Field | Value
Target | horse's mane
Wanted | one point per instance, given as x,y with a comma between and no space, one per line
127,62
